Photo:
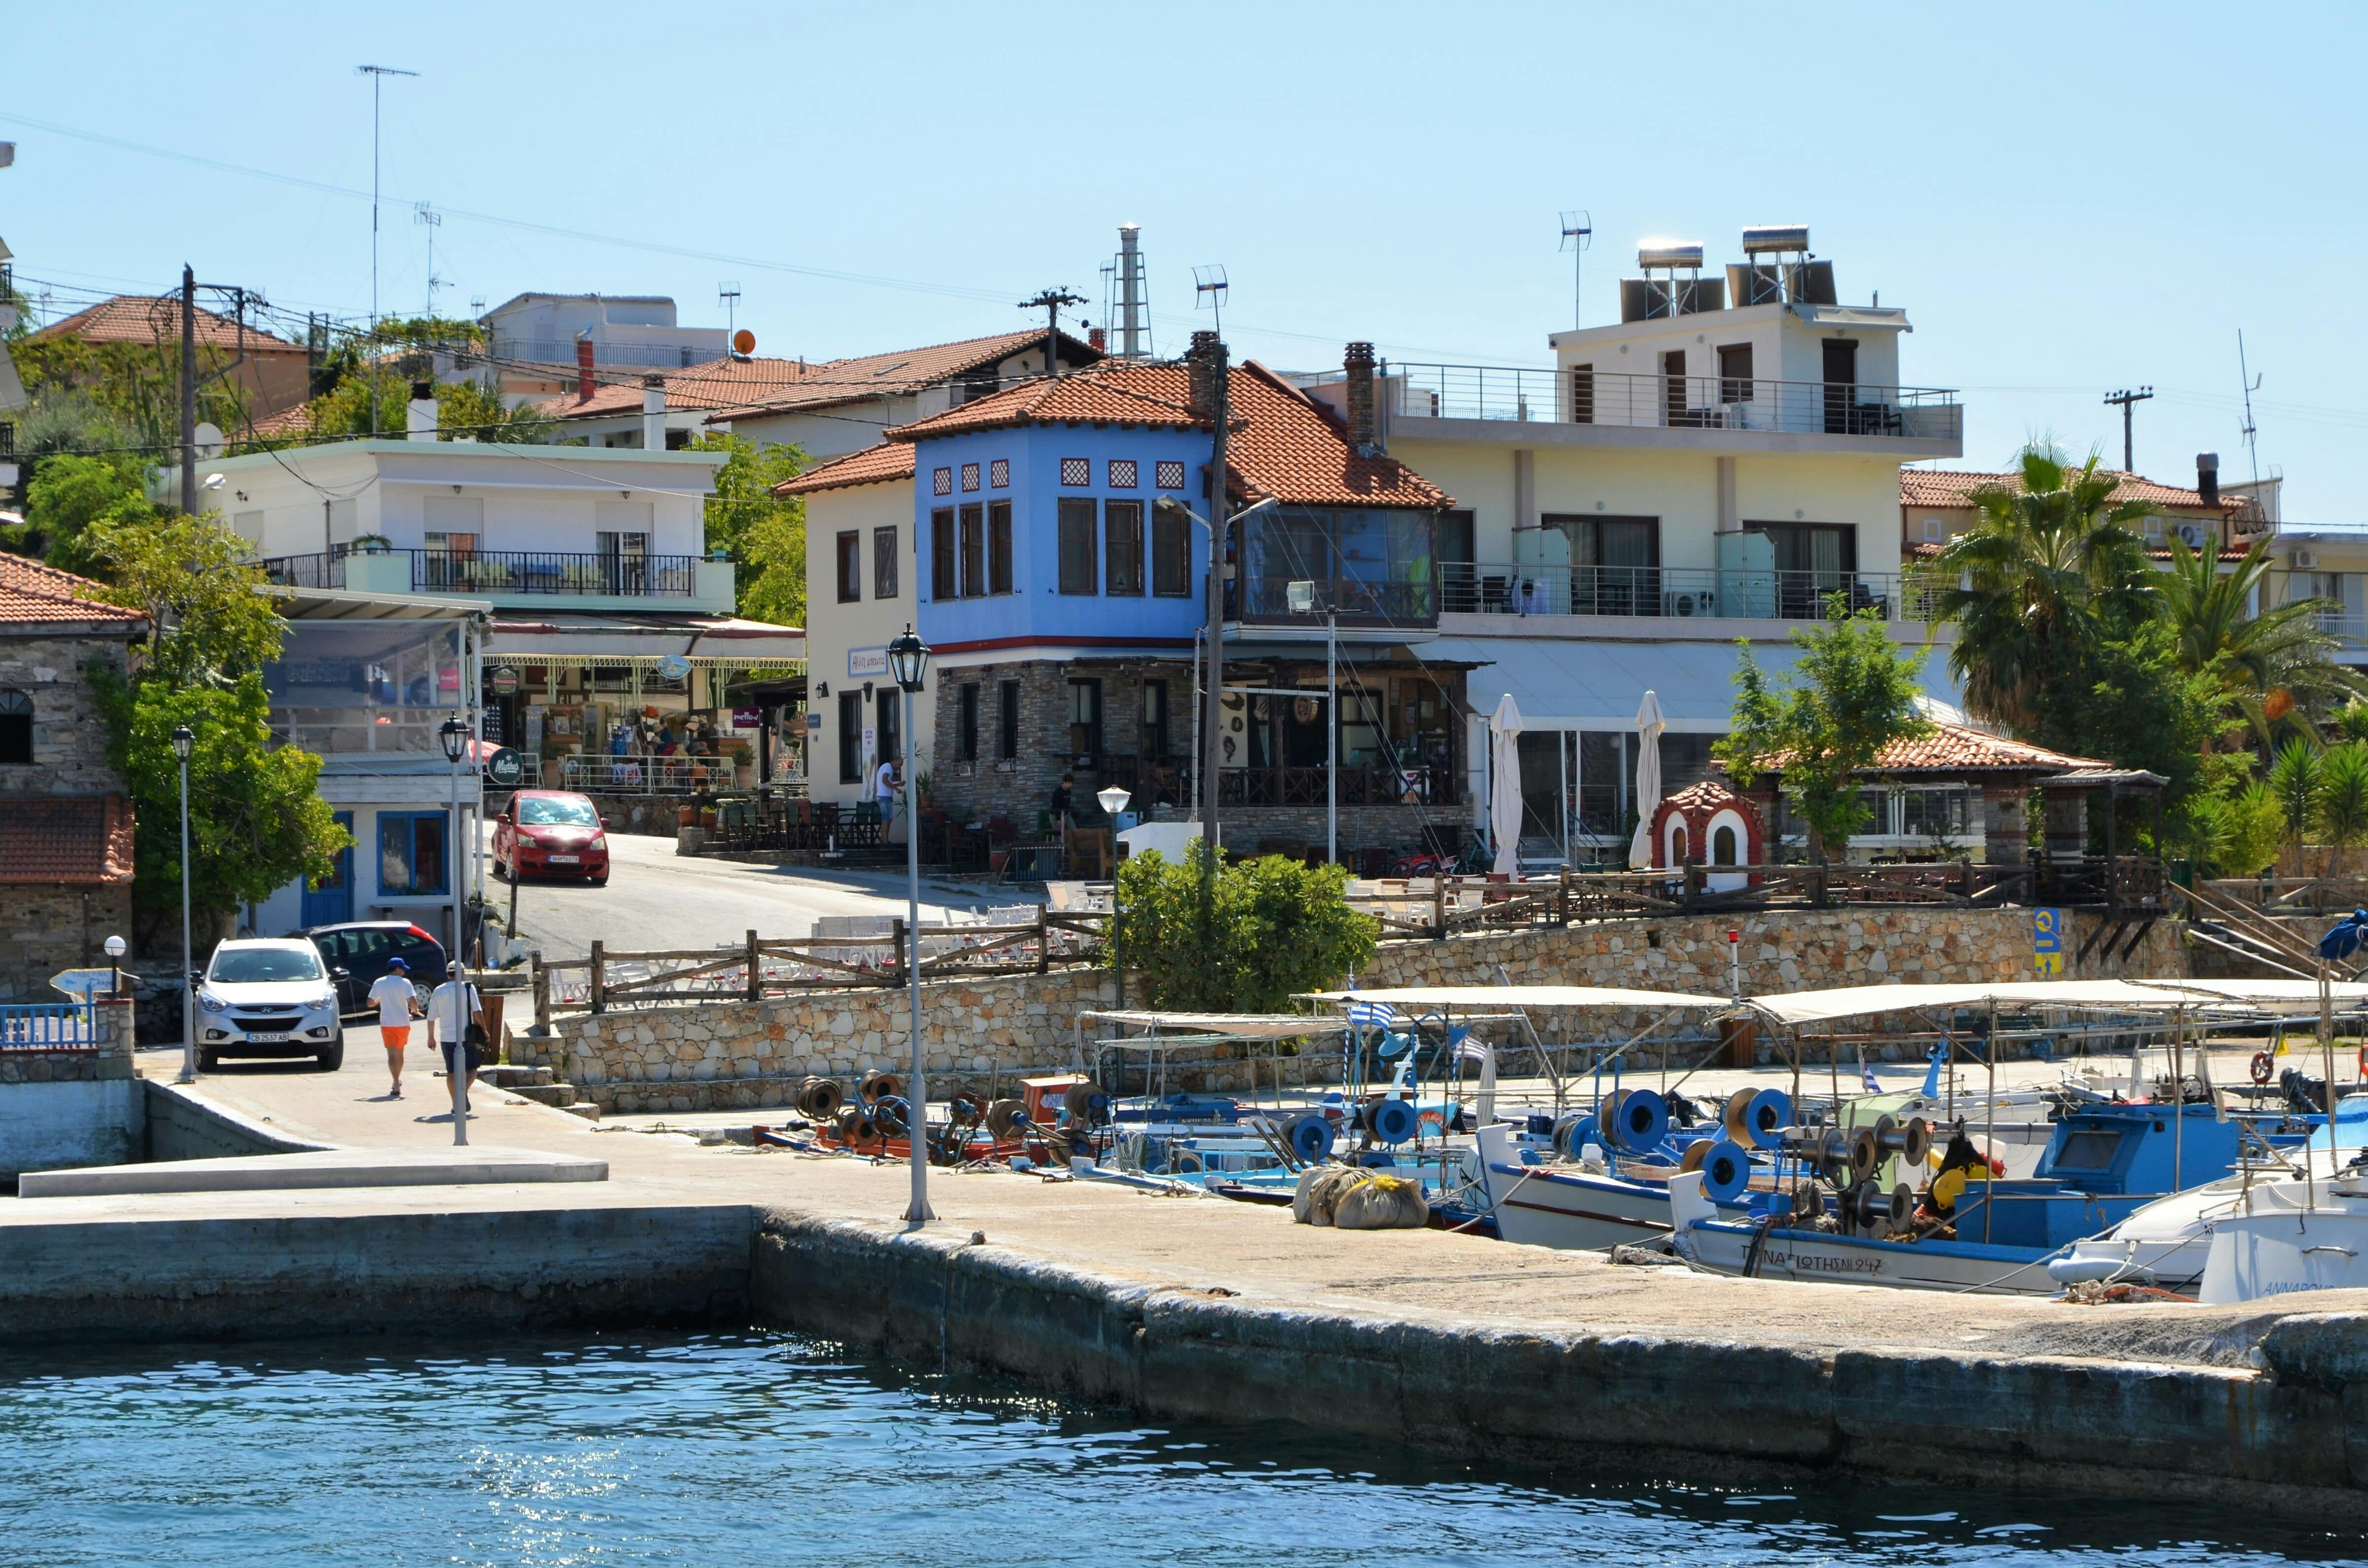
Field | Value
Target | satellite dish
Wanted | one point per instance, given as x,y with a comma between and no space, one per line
207,438
743,341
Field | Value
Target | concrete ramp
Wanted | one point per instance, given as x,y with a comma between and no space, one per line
415,1166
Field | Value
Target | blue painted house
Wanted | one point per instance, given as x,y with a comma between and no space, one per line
1019,534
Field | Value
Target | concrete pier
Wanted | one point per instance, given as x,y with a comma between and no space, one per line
1200,1307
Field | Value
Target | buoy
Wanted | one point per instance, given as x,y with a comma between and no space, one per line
1309,1136
1726,1171
1392,1122
2264,1065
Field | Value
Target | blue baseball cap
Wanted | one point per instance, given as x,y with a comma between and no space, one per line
396,963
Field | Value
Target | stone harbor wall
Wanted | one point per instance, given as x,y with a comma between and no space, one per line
719,1056
73,1107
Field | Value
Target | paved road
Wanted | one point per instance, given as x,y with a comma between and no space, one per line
658,899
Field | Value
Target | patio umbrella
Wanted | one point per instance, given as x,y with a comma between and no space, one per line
1649,725
1505,785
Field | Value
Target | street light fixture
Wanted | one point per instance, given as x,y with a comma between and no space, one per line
1113,801
908,661
183,742
454,735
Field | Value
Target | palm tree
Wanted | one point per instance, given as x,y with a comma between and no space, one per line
2343,800
2299,779
2053,566
2252,658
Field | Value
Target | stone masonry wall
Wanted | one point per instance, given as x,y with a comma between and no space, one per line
754,1053
69,738
46,929
110,1057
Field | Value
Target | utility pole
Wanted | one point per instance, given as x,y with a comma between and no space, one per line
2128,400
378,75
1050,301
189,390
1210,349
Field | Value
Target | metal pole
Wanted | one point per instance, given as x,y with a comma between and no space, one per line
188,960
457,1063
1331,738
916,1093
189,390
1211,740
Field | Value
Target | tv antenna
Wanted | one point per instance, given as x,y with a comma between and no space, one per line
1209,287
2252,384
1577,234
421,212
727,294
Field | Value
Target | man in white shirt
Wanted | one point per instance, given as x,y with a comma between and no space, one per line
448,1017
884,791
397,1001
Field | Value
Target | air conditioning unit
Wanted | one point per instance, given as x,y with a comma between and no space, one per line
2192,535
1686,603
2302,561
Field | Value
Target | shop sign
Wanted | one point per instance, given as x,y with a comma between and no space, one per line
502,681
506,769
861,662
747,719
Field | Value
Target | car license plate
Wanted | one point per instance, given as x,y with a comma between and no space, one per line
564,860
262,1037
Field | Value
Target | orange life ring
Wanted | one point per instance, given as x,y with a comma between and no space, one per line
2263,1066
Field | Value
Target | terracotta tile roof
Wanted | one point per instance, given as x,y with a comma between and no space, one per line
1925,550
1289,446
30,592
874,465
1953,748
1703,795
139,318
717,383
906,371
288,425
79,840
1953,488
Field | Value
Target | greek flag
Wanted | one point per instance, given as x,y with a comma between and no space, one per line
1866,1077
1372,1015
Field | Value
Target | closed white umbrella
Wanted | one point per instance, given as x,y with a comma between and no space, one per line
1505,785
1649,725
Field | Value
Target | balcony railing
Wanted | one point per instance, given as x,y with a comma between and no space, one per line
1676,592
507,572
1677,403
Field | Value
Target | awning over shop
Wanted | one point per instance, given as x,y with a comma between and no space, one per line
720,642
1560,684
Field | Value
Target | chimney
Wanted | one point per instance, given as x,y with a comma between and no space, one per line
1201,362
653,412
1358,365
2207,477
583,368
420,416
1098,339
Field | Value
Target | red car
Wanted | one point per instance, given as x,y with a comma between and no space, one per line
552,833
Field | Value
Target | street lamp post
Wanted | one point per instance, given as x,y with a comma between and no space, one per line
908,661
183,742
1113,801
454,735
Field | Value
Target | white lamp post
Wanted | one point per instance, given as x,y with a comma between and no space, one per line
183,742
908,661
454,735
1113,801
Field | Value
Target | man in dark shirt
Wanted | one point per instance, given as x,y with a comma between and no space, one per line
1061,803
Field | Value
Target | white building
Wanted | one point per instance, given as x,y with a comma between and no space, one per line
1717,465
537,341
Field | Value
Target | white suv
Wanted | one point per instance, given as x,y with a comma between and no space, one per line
269,998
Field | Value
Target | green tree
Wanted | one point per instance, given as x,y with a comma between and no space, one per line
2250,824
1852,693
257,820
475,409
2053,568
1242,939
2343,800
2125,700
135,386
2273,668
67,494
764,534
2298,780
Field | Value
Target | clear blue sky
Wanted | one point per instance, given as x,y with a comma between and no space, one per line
2067,198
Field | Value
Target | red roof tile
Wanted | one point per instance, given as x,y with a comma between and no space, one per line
1288,447
718,383
1954,488
138,318
30,592
906,371
79,840
888,461
1953,748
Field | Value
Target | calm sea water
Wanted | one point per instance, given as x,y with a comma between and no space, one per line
752,1450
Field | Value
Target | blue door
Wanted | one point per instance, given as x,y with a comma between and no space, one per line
333,901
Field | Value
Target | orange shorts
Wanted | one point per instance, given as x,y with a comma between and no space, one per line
396,1036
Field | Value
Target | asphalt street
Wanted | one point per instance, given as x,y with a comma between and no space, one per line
657,900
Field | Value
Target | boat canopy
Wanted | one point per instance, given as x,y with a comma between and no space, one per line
1421,996
1241,1025
2114,995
